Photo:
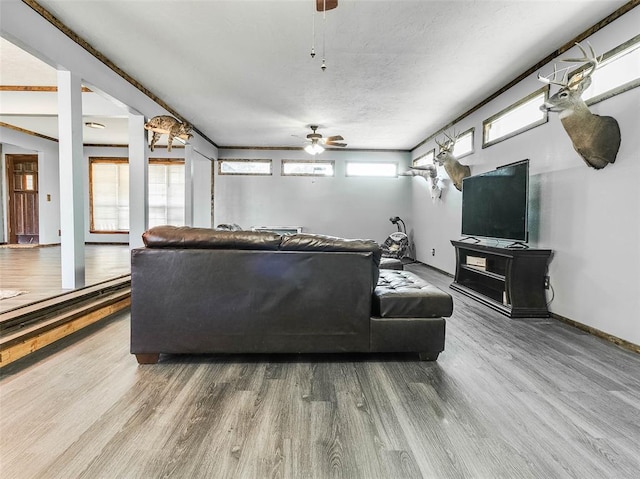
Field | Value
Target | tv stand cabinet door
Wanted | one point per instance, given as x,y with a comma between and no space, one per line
525,286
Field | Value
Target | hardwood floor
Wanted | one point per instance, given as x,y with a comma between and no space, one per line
530,398
37,270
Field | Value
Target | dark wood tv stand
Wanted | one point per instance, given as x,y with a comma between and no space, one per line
511,281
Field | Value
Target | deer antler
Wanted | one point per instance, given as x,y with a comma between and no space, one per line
449,143
552,78
590,59
454,138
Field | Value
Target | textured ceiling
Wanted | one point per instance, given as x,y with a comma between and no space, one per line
397,71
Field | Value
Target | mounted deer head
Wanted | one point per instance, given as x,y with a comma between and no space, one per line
429,173
596,138
456,171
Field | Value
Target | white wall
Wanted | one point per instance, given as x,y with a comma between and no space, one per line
340,206
591,219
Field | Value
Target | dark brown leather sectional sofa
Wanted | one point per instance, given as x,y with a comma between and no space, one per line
198,290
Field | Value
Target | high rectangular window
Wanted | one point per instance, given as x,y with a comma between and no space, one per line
617,72
359,168
244,167
307,168
464,144
424,160
516,118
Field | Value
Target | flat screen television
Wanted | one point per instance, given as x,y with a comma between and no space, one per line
495,203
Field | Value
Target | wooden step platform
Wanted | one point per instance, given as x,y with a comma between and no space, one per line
28,328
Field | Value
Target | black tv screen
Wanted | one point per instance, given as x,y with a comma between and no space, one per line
494,204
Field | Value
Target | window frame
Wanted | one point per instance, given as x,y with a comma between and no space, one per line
431,153
118,160
245,160
630,85
485,124
330,162
169,162
102,159
347,163
471,130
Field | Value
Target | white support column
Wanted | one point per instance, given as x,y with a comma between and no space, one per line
188,184
70,147
201,181
138,180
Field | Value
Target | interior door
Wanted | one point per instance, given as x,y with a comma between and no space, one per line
22,207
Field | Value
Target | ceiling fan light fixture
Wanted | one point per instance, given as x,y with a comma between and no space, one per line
313,148
95,125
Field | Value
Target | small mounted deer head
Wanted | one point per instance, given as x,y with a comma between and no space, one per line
456,171
596,138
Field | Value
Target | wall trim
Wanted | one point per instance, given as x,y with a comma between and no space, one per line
587,33
299,148
598,333
623,343
431,267
33,88
27,132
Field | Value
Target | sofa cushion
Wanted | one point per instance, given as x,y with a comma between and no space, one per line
206,238
391,263
316,242
422,335
402,294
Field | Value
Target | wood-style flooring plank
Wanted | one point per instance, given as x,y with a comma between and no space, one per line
38,270
530,398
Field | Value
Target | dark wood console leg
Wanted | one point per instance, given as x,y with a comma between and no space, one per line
428,356
148,358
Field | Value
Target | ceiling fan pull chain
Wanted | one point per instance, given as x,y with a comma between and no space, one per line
313,34
324,35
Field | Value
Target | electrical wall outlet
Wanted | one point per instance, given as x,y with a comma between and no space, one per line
433,252
546,282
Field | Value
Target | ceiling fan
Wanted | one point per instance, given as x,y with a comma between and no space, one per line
317,143
324,5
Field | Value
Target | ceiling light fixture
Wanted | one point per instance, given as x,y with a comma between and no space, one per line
313,148
93,124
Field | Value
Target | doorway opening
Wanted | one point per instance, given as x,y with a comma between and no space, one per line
22,199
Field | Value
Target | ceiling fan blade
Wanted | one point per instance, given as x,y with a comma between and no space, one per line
322,5
335,138
331,143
